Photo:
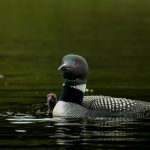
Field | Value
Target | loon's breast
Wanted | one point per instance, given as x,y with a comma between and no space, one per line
68,109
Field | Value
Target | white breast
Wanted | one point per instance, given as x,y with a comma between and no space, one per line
66,109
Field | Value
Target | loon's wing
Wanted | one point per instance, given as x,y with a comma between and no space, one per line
109,106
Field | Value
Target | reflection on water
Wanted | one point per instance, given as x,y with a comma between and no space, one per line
30,130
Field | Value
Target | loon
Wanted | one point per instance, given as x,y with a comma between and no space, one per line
73,104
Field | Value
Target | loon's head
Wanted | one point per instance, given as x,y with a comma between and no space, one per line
74,69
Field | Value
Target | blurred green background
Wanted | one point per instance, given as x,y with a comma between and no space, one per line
113,35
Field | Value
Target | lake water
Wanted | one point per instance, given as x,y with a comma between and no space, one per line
25,131
114,37
27,126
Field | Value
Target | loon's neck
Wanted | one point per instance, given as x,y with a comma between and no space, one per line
73,92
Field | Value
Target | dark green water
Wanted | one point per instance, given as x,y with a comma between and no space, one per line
114,37
27,132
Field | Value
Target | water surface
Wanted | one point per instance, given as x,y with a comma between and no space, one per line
26,131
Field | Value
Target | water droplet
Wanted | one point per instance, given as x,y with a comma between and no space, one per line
2,76
86,90
91,90
21,131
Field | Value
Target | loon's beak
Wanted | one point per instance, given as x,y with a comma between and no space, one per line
63,67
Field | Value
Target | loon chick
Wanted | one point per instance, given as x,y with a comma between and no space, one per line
73,103
51,102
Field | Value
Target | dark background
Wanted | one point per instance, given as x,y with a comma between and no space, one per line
113,35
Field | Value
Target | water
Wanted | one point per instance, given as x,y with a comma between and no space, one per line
114,37
22,131
33,129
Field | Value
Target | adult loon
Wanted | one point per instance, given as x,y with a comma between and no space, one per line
72,102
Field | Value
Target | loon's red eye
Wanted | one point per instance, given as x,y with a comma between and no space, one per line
75,62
